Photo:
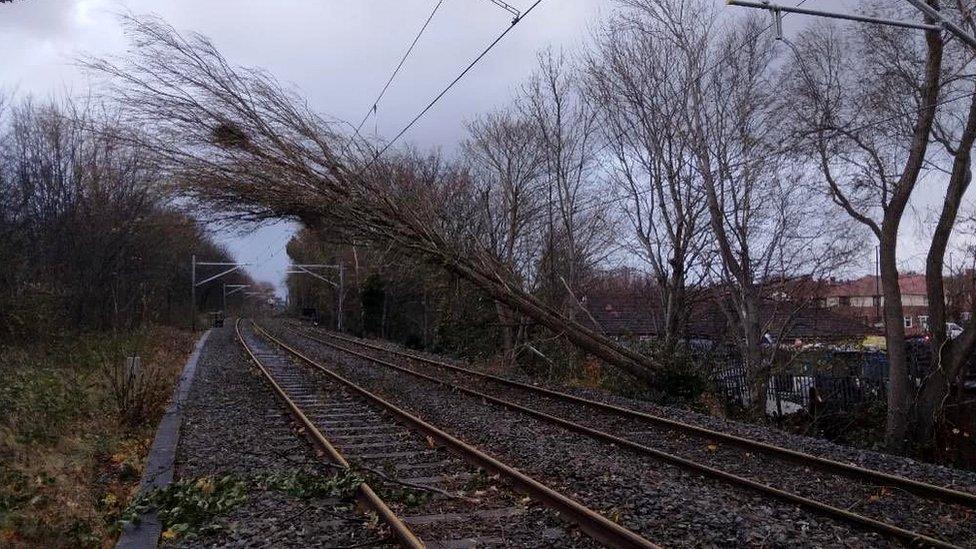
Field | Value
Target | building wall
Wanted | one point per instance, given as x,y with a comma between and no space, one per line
914,322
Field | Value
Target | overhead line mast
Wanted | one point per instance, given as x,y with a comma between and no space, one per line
509,8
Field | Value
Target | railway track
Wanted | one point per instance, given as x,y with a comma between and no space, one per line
720,455
461,507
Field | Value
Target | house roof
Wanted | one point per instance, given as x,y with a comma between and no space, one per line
867,286
640,313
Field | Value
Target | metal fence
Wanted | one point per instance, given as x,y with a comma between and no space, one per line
788,393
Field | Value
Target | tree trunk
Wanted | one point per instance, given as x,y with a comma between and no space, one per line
630,361
752,356
675,305
506,322
949,355
899,385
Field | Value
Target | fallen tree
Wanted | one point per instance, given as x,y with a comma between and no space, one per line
235,140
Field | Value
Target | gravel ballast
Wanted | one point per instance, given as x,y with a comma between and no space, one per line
453,504
943,521
956,479
661,502
233,425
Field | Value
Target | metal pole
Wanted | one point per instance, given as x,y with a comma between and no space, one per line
877,283
938,21
193,292
223,304
339,301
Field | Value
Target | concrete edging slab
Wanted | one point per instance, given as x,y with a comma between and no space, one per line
162,456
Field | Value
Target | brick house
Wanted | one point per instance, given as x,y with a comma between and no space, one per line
861,299
624,314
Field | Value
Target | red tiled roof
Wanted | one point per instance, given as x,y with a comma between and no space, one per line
641,314
867,286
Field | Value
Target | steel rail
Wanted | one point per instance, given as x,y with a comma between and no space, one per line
924,489
910,537
364,493
590,522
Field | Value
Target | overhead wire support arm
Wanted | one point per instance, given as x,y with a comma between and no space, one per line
936,15
778,9
316,266
194,284
939,20
306,268
220,264
218,275
509,8
231,289
303,270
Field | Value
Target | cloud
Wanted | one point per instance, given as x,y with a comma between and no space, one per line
337,53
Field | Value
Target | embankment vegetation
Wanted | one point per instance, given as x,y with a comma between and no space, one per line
94,268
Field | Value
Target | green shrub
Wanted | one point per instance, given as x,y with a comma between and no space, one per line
189,506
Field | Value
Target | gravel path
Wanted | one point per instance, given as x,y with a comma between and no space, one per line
234,425
661,502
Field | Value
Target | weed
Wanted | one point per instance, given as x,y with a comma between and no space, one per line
39,402
15,490
188,507
137,390
69,462
478,481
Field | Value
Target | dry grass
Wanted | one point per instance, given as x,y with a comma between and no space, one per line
72,439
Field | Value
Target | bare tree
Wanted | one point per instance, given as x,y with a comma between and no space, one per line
505,160
642,99
86,238
235,139
576,229
765,220
869,106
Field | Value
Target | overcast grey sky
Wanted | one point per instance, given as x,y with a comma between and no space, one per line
337,53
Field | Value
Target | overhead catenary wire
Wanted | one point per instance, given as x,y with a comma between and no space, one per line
722,58
616,199
373,106
781,150
447,88
713,67
492,45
